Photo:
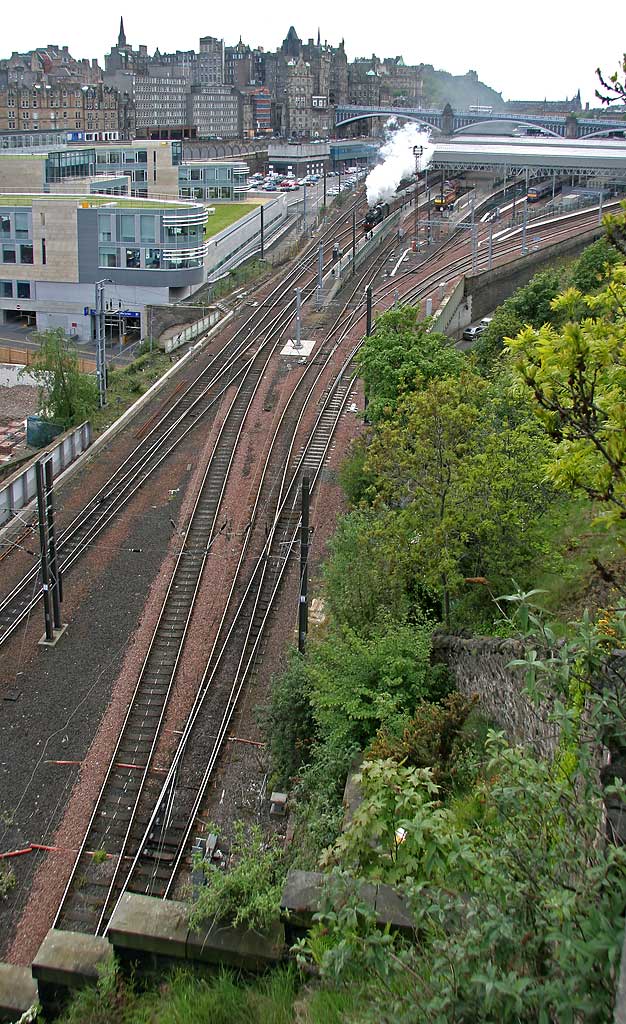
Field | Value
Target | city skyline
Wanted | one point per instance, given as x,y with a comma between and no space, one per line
559,59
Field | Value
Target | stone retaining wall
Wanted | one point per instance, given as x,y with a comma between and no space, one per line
481,665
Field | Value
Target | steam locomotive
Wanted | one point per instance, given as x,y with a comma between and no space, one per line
375,215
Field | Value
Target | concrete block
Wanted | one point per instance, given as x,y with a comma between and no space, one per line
391,909
143,927
143,924
18,991
239,947
70,959
301,896
67,961
278,804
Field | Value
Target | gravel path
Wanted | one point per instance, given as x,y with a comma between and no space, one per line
18,402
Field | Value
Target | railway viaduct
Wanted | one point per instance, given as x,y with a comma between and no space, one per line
450,122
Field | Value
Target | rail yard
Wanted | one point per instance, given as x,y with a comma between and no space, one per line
178,546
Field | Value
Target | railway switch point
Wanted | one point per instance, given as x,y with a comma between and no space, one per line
278,805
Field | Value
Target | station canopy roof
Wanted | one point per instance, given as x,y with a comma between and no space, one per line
592,158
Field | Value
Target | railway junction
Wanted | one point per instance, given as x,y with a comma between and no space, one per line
182,583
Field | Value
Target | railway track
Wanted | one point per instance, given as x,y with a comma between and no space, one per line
173,426
128,794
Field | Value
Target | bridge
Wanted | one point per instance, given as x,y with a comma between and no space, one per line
451,122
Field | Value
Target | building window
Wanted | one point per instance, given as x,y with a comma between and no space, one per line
147,228
26,252
23,289
43,251
5,223
133,259
8,254
153,259
6,289
108,256
104,227
127,227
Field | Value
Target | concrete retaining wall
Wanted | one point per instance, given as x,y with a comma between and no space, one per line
191,332
10,375
489,289
232,245
121,422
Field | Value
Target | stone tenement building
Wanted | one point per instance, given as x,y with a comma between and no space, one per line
53,62
381,82
69,106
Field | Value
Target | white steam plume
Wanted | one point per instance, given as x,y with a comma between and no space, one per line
398,159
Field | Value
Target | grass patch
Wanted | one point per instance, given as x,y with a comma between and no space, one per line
244,274
224,998
94,200
225,215
127,384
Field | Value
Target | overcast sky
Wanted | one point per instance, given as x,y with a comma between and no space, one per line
526,51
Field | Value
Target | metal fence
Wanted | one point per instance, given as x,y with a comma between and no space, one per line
192,331
21,488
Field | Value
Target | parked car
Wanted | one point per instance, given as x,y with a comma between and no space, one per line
471,333
270,187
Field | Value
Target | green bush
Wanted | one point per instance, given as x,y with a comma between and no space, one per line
288,721
246,893
433,738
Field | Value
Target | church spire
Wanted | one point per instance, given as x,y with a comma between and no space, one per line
318,37
121,39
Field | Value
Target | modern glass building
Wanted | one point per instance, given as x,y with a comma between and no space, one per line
213,179
54,248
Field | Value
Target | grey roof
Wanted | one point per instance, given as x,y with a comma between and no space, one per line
541,156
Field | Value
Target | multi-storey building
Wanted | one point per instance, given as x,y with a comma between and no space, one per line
159,102
54,248
70,106
338,76
239,67
545,106
123,58
211,180
141,168
55,62
401,84
364,81
256,111
214,111
210,62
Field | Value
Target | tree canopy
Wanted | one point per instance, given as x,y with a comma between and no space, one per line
577,377
68,396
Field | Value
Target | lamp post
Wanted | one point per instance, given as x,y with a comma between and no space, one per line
417,153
